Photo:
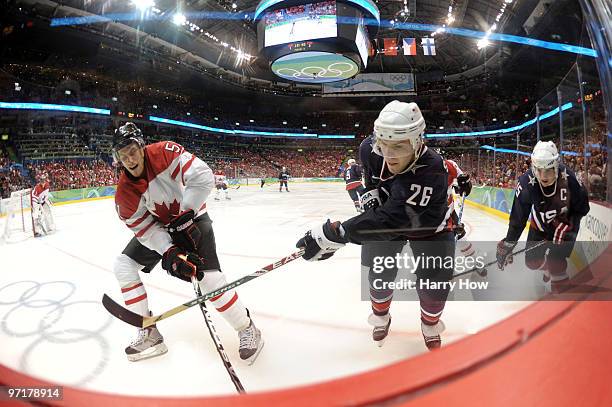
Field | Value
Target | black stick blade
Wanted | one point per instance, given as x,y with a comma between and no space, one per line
122,313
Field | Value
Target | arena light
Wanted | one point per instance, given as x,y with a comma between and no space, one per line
143,4
532,42
340,136
506,130
247,132
483,43
179,19
48,106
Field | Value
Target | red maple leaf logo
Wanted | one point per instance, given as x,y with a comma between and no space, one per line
165,214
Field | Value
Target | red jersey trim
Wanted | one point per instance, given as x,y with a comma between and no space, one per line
144,230
139,220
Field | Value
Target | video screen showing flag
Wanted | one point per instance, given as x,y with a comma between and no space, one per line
300,23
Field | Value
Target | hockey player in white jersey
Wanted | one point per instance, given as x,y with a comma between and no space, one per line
161,197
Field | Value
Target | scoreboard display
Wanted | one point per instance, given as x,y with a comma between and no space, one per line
300,23
316,42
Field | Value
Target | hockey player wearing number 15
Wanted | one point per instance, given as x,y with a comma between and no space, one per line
161,197
554,199
406,188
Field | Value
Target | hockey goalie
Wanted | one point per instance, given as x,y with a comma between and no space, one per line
42,216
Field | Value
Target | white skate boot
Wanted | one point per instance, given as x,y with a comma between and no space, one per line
431,334
149,343
251,343
381,324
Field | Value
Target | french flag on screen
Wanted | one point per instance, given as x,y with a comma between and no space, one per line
409,46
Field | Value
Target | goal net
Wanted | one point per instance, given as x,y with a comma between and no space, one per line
16,214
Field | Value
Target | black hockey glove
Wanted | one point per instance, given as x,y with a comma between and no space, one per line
184,232
321,242
370,199
459,231
464,185
504,253
183,265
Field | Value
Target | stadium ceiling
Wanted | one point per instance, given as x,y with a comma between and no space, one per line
223,40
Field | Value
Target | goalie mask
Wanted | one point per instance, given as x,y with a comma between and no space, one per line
545,162
124,136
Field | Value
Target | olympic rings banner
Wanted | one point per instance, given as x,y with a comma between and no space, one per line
369,83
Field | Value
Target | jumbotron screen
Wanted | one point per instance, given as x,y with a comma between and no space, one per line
299,23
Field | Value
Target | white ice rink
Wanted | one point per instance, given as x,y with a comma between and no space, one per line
52,325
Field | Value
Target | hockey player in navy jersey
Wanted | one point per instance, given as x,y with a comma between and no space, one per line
556,201
352,177
407,191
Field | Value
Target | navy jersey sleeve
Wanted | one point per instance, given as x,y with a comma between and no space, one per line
579,201
365,149
416,201
521,207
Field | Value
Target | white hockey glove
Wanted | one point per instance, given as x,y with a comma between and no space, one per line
369,200
322,242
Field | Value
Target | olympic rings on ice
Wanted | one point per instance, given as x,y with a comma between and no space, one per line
37,311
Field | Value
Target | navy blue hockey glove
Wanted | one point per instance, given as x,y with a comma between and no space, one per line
504,253
464,185
184,232
322,242
183,265
370,199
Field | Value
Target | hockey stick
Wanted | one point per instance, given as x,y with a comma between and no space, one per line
428,229
217,341
526,249
140,321
462,206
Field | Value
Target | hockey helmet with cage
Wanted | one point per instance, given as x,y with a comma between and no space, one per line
351,161
396,122
545,156
124,136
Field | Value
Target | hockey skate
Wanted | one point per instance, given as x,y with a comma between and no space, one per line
431,334
217,198
149,343
251,343
381,324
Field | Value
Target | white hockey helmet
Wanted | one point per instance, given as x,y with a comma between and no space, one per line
399,121
351,161
545,155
